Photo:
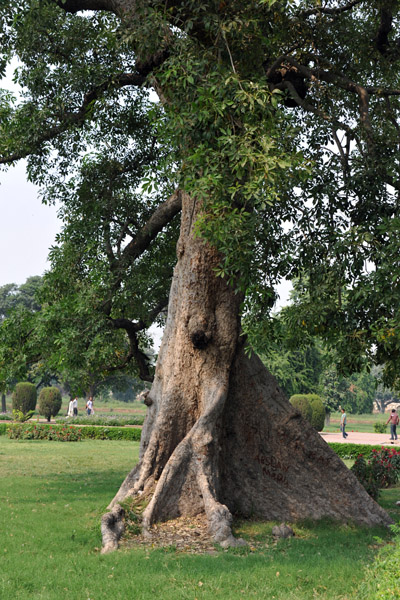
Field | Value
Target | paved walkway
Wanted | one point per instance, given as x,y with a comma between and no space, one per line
356,437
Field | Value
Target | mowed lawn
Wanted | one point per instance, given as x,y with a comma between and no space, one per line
53,495
362,423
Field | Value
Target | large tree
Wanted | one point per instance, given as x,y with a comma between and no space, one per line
278,126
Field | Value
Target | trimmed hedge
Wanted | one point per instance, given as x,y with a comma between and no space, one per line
37,431
351,451
104,420
354,450
49,402
302,403
318,412
112,433
44,431
24,397
311,407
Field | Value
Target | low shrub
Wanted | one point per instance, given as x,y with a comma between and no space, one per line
70,433
112,433
352,451
3,428
21,417
105,421
6,417
40,431
380,427
49,402
24,397
364,472
379,471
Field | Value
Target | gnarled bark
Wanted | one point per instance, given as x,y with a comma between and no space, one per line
220,437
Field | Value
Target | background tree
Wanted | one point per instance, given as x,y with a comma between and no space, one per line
297,371
282,145
383,396
13,296
17,304
355,393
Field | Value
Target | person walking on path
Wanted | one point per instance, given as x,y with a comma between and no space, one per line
343,421
394,421
75,406
89,406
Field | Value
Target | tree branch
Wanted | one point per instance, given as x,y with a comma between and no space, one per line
310,108
336,79
383,44
331,11
158,220
161,217
131,328
77,119
141,359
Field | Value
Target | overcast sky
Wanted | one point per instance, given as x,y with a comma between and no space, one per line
27,228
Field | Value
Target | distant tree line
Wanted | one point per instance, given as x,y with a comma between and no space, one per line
33,349
312,370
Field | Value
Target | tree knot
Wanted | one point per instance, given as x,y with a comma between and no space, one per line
200,339
199,332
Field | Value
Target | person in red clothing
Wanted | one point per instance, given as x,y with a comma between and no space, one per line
394,421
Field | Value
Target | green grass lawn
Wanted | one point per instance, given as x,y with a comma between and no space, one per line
53,495
362,423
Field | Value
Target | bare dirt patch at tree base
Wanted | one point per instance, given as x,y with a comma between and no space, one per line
190,535
184,534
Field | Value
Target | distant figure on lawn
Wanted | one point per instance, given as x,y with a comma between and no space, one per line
73,407
343,421
394,421
70,412
89,406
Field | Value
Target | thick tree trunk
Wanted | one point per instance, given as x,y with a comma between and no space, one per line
220,437
3,403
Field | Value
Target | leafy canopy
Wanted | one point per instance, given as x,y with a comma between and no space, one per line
281,118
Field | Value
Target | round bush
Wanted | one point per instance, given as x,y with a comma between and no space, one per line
24,397
49,402
311,407
301,402
318,412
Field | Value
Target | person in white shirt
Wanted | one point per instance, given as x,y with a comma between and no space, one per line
89,406
70,412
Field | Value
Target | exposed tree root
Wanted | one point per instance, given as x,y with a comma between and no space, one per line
112,528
